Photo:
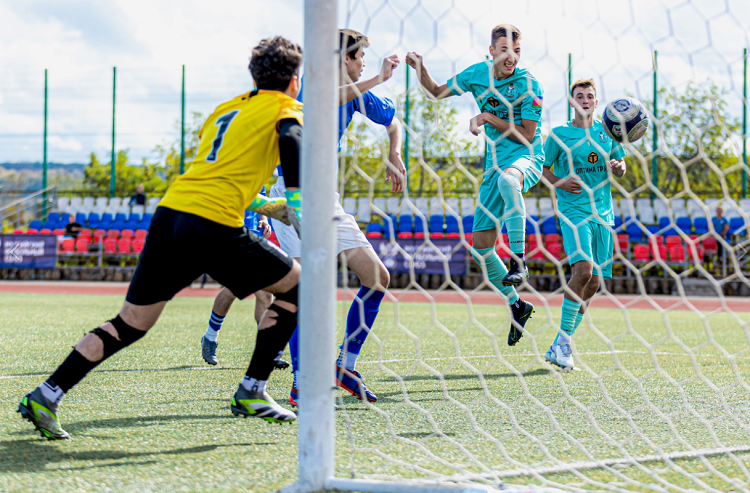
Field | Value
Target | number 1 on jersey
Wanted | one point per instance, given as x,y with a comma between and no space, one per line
223,123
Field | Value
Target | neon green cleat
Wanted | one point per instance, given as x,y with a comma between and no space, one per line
259,405
43,415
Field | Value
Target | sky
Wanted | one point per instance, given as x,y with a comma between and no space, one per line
80,41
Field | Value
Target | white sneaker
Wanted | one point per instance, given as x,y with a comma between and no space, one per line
560,355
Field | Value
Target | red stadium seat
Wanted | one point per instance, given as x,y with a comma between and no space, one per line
32,231
437,235
673,241
138,245
18,232
100,235
82,245
85,233
113,233
660,253
374,234
641,253
58,232
623,241
407,235
502,248
45,231
416,235
711,246
453,236
110,245
68,245
555,249
123,245
677,253
551,238
127,233
141,233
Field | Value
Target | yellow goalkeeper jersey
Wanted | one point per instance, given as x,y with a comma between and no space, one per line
238,150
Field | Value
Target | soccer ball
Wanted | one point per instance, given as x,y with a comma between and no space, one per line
628,114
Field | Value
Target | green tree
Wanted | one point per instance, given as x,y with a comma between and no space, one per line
169,154
698,146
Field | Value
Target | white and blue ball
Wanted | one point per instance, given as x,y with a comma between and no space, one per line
625,120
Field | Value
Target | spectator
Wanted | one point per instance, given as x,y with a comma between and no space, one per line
73,228
721,225
139,198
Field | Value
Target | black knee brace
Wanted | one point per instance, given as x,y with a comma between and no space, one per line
290,296
126,334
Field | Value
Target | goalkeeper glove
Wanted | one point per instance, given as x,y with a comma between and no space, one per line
294,200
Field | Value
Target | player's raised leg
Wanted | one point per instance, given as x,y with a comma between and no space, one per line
510,184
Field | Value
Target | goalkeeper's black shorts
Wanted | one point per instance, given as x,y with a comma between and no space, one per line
181,247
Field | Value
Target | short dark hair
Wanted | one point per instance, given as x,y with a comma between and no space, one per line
351,41
583,84
501,31
274,62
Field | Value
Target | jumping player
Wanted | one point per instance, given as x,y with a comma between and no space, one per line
198,228
582,156
510,99
351,242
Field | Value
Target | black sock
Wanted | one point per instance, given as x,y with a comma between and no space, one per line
270,344
71,371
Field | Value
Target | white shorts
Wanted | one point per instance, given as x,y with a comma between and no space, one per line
348,234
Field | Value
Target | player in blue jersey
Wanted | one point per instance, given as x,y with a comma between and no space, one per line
579,158
351,242
510,99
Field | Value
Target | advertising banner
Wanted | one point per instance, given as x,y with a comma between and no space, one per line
28,251
408,253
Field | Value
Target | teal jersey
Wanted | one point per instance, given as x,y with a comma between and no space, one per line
518,97
590,152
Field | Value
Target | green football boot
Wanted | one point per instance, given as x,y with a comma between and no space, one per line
43,415
259,405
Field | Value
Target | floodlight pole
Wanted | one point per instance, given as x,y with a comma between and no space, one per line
112,166
44,152
317,310
744,123
654,143
570,82
182,125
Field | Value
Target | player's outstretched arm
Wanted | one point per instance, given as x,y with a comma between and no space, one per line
414,60
523,133
352,91
396,171
572,184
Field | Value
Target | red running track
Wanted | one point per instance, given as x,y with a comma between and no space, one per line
480,297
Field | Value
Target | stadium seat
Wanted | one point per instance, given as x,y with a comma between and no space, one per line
436,207
63,203
451,227
110,245
623,242
701,225
127,233
405,226
36,224
468,224
618,223
633,230
350,205
711,246
390,226
664,222
737,226
68,245
391,205
138,211
641,253
660,252
436,226
101,202
19,231
139,242
422,205
153,201
123,245
452,206
141,233
94,220
85,233
113,233
378,203
58,232
82,245
551,238
32,231
45,231
106,221
81,218
676,253
673,241
467,207
99,235
503,251
145,222
419,231
545,207
363,210
374,230
684,224
549,226
555,249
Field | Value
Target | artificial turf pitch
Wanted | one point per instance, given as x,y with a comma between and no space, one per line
454,401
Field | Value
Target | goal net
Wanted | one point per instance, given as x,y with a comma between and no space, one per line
659,397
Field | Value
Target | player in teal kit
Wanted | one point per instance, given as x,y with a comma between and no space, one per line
510,99
582,157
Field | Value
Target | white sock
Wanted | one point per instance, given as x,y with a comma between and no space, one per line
296,379
253,384
562,337
52,394
349,360
211,334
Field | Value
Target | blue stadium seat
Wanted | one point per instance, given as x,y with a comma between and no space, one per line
418,227
64,221
374,230
120,218
390,224
653,228
54,217
663,222
451,227
405,226
436,223
737,226
618,224
81,218
94,220
134,218
532,225
468,222
145,221
634,231
685,225
549,226
37,225
701,225
106,222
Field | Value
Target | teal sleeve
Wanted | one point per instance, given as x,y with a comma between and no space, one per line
531,106
461,83
617,152
551,151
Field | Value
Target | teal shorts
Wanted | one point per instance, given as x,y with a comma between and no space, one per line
491,207
590,241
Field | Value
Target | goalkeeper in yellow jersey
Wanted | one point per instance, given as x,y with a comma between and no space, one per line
198,228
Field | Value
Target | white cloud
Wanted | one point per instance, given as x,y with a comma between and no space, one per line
69,144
